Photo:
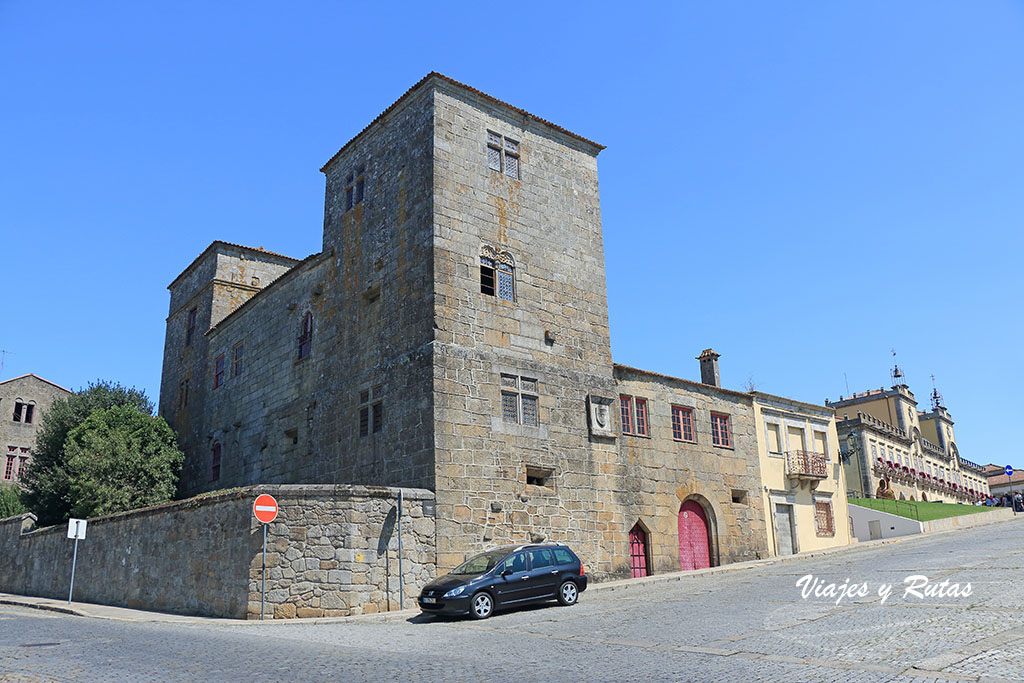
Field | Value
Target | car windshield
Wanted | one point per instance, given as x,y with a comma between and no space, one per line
481,563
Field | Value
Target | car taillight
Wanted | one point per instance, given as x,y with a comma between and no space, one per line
581,570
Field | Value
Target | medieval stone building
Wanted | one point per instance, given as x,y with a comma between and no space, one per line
452,335
23,401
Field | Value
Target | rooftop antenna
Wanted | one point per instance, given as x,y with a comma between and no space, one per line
898,378
936,396
845,379
3,355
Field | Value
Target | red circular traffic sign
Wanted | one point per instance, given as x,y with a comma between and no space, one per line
265,508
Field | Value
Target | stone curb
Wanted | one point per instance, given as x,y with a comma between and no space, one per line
402,615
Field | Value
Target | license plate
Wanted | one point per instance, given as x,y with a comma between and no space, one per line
429,601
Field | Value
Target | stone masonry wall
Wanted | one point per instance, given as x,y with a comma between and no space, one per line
332,551
662,473
555,331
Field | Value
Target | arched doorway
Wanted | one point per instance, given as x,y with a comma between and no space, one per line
924,496
638,551
694,546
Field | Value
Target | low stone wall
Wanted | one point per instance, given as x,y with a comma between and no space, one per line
332,551
971,519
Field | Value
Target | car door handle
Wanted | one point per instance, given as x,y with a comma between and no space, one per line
525,578
555,571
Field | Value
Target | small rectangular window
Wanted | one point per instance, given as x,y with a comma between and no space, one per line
190,326
378,417
739,496
238,352
9,472
720,433
22,467
364,420
774,440
682,424
486,276
538,476
360,189
349,198
509,409
503,155
29,410
626,411
215,462
641,417
218,371
18,406
823,521
506,282
530,410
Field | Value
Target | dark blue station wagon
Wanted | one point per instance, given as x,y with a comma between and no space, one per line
507,576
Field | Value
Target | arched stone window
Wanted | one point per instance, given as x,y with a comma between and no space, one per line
497,274
306,336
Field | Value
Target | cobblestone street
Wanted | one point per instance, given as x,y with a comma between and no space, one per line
750,624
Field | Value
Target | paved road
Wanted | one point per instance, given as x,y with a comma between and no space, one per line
744,625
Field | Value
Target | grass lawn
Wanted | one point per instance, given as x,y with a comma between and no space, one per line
923,512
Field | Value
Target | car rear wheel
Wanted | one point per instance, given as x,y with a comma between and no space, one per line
481,606
568,593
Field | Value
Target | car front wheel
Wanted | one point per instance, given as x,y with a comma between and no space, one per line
481,606
568,594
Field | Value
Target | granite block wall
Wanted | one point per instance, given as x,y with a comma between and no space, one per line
332,551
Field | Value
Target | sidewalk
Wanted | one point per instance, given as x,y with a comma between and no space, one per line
84,609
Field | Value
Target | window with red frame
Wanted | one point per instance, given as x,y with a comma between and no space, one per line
634,415
720,434
306,336
626,410
218,371
22,466
215,462
682,424
9,472
641,416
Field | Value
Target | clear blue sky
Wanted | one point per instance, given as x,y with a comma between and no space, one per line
801,186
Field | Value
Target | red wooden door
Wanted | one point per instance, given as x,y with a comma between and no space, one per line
638,551
694,552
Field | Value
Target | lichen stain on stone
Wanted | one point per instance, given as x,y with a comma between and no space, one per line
505,200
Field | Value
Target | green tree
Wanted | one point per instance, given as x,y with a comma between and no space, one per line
120,459
10,501
47,486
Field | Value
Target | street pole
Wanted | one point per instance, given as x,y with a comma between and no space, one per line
401,577
74,560
263,590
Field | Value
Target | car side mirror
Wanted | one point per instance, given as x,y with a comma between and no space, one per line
506,572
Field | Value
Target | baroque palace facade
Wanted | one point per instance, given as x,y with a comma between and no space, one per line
452,335
913,452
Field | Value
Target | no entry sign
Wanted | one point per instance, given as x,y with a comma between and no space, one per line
265,508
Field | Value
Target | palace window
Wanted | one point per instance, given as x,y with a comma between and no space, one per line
682,424
23,412
190,327
238,352
519,400
720,433
497,274
371,411
633,411
215,462
218,371
306,336
503,155
774,437
22,466
823,522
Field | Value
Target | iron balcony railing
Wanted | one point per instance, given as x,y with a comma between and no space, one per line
806,465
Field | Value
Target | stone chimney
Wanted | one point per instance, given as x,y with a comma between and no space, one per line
709,367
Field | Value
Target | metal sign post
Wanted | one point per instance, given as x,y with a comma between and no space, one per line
1009,480
401,577
76,530
264,509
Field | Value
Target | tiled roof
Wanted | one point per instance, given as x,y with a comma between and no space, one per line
627,368
1002,479
452,81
